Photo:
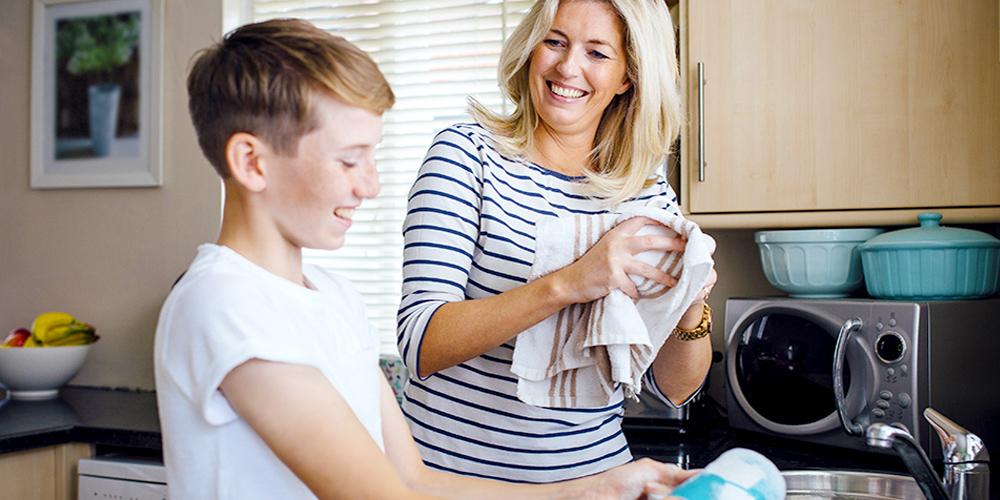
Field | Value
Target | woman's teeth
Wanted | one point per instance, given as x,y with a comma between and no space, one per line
344,213
565,92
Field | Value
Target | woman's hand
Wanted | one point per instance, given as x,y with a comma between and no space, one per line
639,478
608,264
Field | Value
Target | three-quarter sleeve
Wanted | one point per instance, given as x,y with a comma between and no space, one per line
440,234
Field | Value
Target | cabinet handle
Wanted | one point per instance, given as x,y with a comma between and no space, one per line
701,122
839,355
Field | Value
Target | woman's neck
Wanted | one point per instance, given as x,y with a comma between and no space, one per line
562,152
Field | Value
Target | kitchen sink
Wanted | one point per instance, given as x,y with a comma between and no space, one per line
849,485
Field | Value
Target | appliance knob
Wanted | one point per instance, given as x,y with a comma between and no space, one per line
890,347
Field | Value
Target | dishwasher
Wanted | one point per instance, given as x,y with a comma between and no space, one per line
117,478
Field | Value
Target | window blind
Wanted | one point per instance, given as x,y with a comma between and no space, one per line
434,53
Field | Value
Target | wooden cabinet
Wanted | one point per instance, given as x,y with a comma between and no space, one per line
839,112
42,474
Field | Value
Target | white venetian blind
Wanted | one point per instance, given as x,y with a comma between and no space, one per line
434,53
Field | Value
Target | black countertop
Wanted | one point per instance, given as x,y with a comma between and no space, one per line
128,419
81,414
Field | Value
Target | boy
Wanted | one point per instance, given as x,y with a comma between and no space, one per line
266,371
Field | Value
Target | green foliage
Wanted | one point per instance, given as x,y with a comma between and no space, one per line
97,45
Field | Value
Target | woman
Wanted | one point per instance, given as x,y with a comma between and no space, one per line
595,85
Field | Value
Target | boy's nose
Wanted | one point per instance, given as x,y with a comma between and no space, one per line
367,186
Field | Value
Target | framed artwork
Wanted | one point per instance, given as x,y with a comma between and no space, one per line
96,93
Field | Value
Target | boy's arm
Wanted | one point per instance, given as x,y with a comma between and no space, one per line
628,481
310,427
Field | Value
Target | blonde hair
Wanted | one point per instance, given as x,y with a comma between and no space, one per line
261,79
638,127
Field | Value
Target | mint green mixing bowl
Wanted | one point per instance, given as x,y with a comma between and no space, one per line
813,263
931,262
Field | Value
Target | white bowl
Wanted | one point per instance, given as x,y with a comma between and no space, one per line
39,372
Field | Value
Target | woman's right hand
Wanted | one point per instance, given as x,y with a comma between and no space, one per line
608,264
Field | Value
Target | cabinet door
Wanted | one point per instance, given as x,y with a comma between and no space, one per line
843,104
42,474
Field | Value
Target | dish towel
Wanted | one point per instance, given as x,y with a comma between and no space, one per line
579,356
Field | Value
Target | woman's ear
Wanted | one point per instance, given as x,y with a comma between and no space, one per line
244,158
627,84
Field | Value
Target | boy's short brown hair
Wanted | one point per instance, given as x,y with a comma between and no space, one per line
260,78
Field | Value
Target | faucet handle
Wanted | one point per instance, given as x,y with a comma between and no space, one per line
957,443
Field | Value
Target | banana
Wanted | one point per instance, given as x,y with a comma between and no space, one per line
79,338
55,334
48,320
59,329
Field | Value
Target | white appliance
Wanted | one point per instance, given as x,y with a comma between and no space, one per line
121,479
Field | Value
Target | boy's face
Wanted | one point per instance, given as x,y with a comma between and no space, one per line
312,196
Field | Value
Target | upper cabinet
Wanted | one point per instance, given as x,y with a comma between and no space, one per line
837,112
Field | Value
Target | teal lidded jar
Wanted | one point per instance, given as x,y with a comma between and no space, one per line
931,262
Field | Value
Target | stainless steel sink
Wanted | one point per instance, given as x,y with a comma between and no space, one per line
844,485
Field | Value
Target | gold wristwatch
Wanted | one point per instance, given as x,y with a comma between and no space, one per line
704,327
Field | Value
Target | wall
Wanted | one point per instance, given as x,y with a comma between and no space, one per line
108,256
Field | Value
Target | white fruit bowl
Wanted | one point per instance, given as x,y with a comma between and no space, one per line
39,372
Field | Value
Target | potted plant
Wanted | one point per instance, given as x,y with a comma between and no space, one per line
94,47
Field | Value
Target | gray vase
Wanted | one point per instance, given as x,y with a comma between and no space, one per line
103,103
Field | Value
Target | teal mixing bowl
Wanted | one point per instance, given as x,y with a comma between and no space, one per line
813,263
931,262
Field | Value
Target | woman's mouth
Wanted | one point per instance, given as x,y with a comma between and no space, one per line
566,93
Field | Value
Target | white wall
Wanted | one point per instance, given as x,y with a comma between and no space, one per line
107,256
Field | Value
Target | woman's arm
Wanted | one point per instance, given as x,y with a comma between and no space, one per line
681,366
438,325
459,331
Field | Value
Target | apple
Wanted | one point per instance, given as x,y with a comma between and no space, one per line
17,337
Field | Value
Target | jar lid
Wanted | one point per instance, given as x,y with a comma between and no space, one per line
931,234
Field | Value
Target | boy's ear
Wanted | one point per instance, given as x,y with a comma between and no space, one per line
244,157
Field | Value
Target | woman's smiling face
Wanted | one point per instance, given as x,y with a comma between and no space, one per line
579,67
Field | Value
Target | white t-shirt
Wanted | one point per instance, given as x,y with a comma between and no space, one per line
223,312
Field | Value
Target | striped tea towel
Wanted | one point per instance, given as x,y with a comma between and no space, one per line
579,356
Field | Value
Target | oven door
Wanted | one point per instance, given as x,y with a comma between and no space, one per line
780,367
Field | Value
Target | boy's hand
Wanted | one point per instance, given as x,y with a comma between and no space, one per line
639,478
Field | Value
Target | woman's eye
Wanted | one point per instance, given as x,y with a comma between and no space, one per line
552,43
598,55
349,163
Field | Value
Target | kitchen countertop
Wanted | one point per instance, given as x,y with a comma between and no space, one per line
128,419
81,414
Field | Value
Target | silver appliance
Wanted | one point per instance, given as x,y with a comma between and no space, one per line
821,370
121,478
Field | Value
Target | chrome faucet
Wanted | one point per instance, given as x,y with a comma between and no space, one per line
966,460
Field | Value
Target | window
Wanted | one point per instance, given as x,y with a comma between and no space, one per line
434,53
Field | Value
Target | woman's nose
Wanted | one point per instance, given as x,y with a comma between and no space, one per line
567,65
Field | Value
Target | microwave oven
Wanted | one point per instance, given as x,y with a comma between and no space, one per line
897,358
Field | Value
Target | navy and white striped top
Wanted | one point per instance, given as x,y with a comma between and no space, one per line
470,234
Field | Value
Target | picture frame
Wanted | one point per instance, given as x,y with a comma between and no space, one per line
96,80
